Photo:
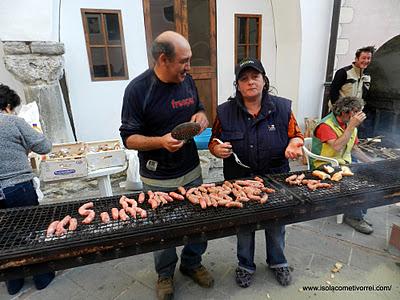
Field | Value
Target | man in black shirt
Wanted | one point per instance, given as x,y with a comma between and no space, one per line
154,103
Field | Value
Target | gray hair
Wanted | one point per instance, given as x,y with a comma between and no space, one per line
160,47
347,104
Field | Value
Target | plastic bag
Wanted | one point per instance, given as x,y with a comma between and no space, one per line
133,181
36,185
30,113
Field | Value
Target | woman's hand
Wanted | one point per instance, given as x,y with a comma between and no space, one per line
223,150
294,150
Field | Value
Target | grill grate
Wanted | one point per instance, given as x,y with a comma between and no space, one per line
368,178
23,229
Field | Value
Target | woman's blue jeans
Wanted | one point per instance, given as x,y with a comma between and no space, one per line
22,194
275,242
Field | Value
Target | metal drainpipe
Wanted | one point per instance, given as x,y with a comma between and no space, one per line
331,55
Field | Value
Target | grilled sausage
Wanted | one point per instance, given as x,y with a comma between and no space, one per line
207,185
181,190
90,217
105,217
193,198
165,196
73,224
234,204
203,203
259,179
132,202
153,202
142,212
131,211
123,202
52,228
264,199
141,197
268,190
242,199
115,213
291,178
177,196
228,184
84,209
60,230
122,215
223,202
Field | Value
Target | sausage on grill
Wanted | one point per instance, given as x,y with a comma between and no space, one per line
115,213
141,197
89,218
52,228
182,190
177,196
84,209
122,215
73,224
60,230
105,217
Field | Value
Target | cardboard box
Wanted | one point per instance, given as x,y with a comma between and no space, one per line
104,154
51,170
65,161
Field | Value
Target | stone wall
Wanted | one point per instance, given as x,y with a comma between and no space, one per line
39,66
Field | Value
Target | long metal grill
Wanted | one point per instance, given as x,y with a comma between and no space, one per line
24,229
368,178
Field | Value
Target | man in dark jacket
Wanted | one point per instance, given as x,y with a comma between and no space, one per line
154,103
351,80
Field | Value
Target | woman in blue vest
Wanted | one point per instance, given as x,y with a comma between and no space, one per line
262,131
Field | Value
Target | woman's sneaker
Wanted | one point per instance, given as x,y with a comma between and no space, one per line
283,275
243,277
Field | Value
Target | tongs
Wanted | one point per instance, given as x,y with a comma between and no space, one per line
234,155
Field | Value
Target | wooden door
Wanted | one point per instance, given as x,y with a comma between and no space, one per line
195,20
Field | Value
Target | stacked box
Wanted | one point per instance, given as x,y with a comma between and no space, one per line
65,161
104,154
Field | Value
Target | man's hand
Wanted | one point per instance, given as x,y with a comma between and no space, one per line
294,150
171,144
200,118
357,119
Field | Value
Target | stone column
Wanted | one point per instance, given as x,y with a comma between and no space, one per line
39,66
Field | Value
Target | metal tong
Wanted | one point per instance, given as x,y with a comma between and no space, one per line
234,155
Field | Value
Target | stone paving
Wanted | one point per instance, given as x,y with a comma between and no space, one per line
312,249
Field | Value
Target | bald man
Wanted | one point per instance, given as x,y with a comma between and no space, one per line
154,103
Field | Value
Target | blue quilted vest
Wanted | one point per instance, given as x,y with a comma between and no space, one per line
259,142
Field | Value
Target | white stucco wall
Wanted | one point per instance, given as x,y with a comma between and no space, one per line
314,54
96,105
364,23
29,20
226,11
280,44
287,22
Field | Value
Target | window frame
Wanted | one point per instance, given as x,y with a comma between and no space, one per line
105,45
247,44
